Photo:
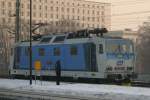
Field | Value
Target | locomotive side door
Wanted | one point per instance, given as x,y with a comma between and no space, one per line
100,52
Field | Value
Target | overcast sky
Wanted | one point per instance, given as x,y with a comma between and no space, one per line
128,13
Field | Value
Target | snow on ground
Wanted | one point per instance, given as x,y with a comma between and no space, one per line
105,92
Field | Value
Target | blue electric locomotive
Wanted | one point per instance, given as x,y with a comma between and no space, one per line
84,54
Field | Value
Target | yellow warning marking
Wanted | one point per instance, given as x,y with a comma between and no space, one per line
37,65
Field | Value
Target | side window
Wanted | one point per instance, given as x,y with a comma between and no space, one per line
59,39
46,40
56,51
41,51
101,49
73,50
27,51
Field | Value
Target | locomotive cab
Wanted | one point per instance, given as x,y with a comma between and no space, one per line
120,58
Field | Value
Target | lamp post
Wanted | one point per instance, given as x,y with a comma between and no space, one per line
17,34
30,42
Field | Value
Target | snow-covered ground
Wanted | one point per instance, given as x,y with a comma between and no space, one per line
104,92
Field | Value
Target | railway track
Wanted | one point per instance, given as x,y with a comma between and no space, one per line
9,94
140,84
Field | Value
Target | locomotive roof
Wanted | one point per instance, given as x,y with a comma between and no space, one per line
72,37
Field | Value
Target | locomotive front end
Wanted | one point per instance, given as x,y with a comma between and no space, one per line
120,59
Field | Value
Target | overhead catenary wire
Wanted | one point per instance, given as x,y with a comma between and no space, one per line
129,2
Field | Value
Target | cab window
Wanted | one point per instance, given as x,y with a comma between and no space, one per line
100,48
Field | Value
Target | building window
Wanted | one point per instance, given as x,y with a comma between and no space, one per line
28,6
73,17
97,25
93,12
83,18
3,4
78,11
68,3
34,14
3,12
40,15
73,50
93,19
9,20
98,19
102,7
51,8
46,15
62,16
41,51
28,14
51,15
103,13
67,9
62,9
73,4
22,6
78,25
34,7
56,8
78,18
83,25
88,18
40,7
22,14
83,11
97,12
57,16
46,8
72,10
56,52
9,4
88,12
93,25
103,20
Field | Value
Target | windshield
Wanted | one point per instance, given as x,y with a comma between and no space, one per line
117,47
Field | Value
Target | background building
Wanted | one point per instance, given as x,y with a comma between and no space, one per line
56,16
76,13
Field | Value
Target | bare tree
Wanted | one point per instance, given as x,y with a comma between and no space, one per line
61,26
5,44
143,49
